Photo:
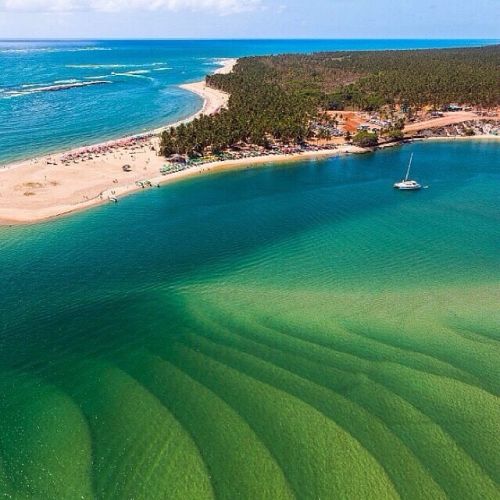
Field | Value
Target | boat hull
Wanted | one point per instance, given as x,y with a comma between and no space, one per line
408,188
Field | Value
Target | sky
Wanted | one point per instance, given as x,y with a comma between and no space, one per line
249,19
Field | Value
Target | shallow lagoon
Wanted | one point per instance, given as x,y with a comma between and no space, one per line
290,330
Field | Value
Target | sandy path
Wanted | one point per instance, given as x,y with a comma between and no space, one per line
449,119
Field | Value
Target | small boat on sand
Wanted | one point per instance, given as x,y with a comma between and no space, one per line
407,184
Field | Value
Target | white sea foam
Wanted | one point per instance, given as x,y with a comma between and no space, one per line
98,66
216,61
112,66
136,73
90,49
52,49
97,77
28,85
51,88
71,80
133,74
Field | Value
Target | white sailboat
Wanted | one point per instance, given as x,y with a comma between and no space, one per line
407,184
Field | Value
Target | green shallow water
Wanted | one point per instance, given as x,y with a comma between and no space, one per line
290,331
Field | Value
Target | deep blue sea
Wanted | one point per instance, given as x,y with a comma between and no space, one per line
141,89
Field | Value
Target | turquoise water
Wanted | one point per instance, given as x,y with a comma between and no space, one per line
140,92
294,330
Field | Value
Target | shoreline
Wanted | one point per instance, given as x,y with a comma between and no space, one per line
483,137
43,214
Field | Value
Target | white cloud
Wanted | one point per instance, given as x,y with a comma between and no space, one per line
221,6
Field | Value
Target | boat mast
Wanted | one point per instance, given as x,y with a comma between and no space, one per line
409,166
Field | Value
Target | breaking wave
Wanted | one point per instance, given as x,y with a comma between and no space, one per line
52,49
113,66
133,74
57,86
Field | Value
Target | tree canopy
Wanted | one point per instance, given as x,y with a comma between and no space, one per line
365,139
276,97
370,79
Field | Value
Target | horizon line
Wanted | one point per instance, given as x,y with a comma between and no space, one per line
20,39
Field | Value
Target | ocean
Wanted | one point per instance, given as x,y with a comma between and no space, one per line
138,87
290,330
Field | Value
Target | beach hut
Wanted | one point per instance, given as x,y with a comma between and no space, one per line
177,159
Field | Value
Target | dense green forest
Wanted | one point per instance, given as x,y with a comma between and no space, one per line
364,80
275,97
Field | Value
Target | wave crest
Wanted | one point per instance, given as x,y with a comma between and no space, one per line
51,88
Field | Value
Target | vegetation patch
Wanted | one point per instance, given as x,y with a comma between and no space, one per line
282,99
